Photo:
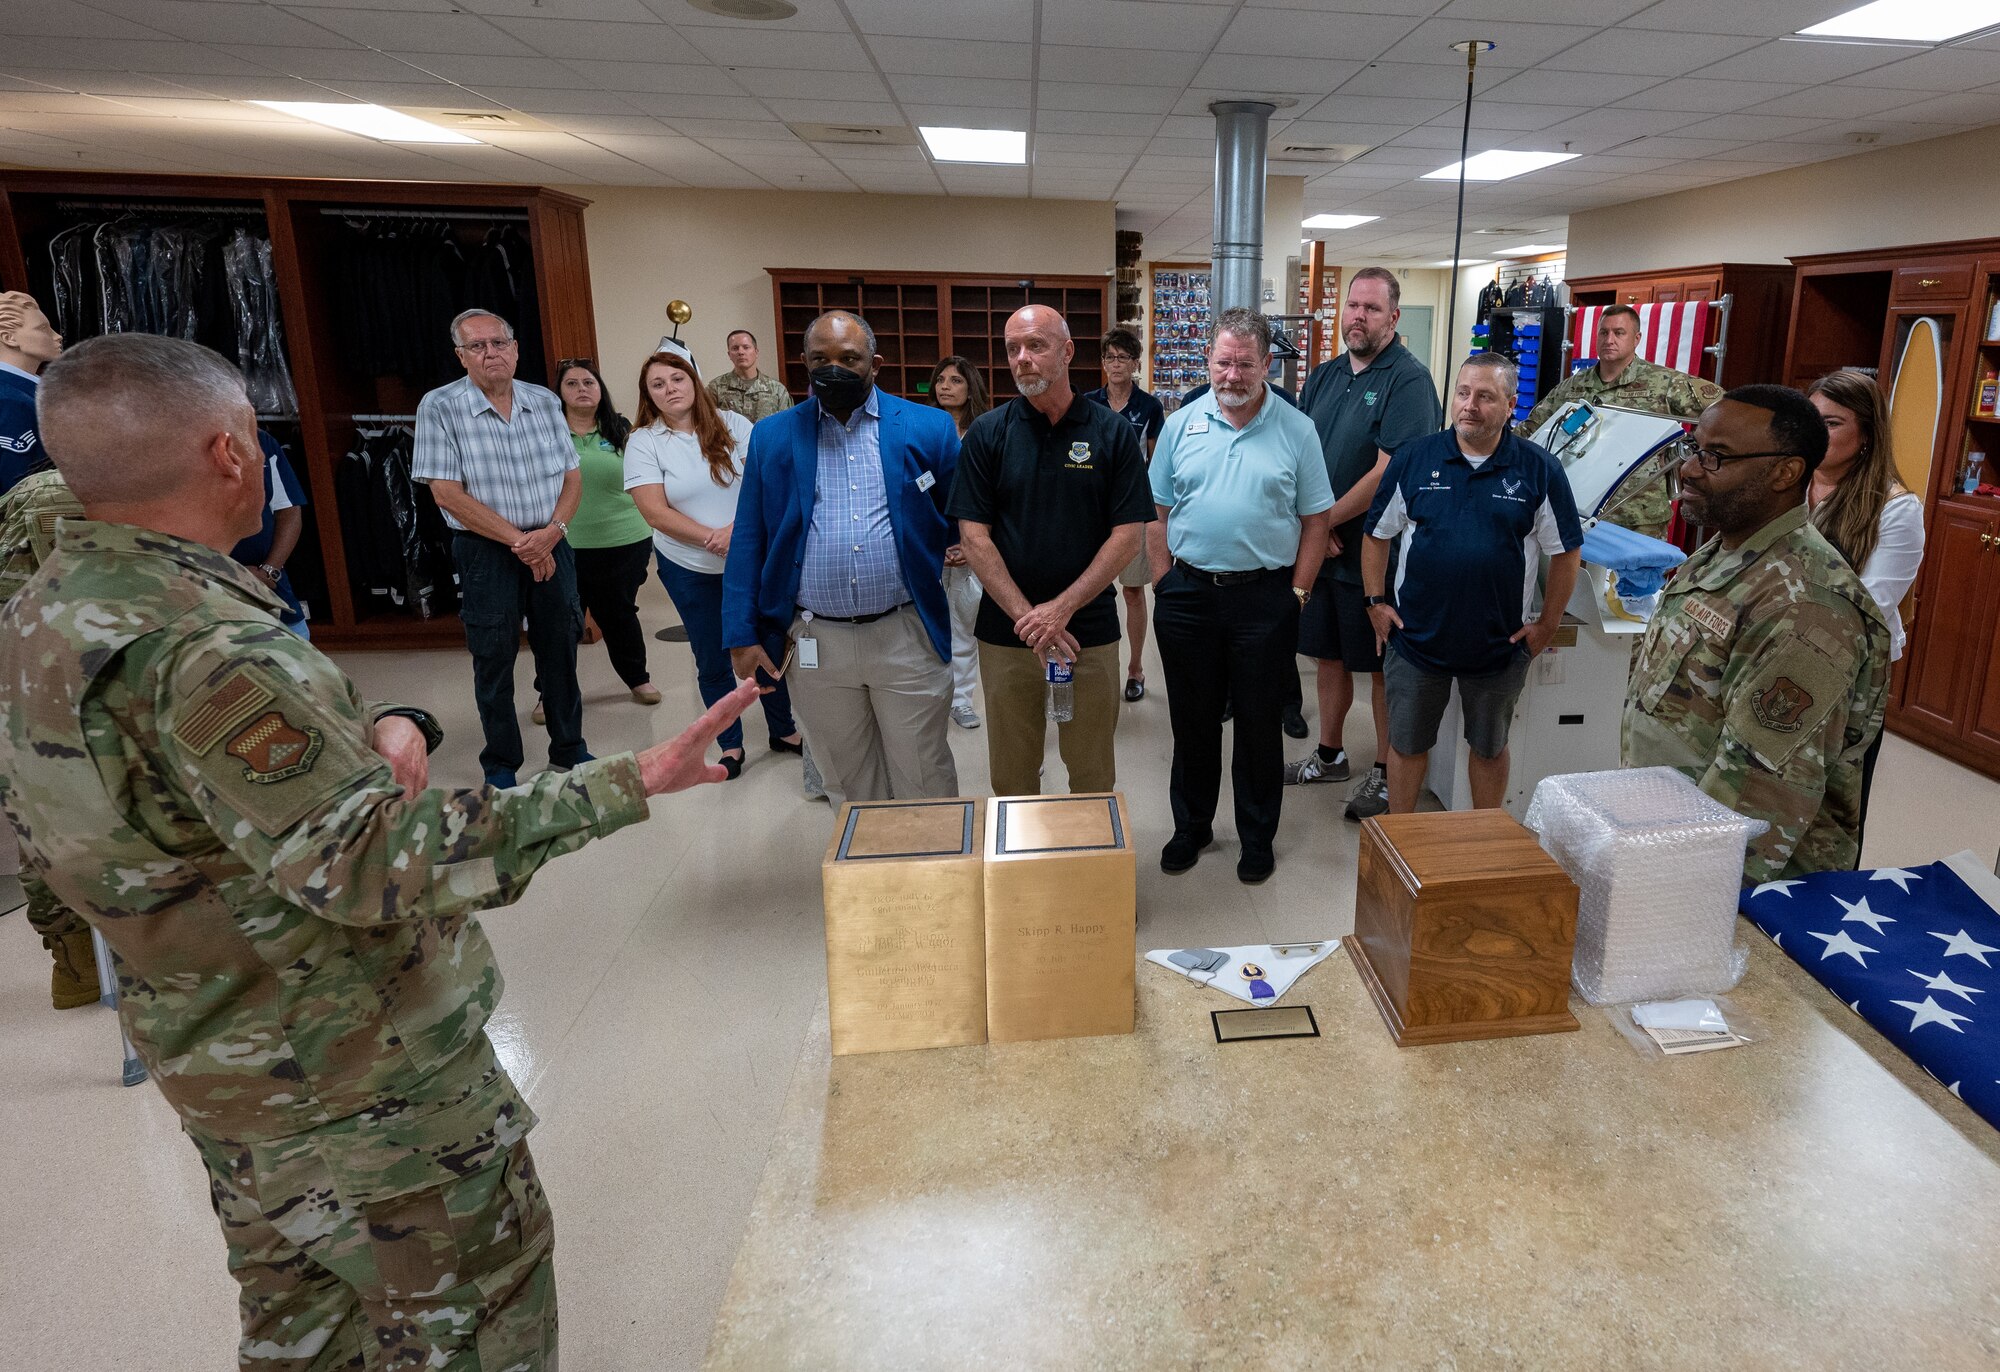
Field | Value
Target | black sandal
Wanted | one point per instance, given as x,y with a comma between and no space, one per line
779,745
731,765
1135,687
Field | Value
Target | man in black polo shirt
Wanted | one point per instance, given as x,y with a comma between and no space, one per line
1366,403
1473,511
1050,497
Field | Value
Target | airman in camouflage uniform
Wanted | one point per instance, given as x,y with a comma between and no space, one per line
28,515
1640,501
755,396
290,914
1763,675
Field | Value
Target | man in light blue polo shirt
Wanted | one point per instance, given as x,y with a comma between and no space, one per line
1244,502
1473,510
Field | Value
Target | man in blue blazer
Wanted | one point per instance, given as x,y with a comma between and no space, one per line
838,550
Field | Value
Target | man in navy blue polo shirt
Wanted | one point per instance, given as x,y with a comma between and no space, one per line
1473,509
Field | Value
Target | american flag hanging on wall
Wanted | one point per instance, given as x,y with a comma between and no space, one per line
1915,951
1672,335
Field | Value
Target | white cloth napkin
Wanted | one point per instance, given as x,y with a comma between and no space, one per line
1228,977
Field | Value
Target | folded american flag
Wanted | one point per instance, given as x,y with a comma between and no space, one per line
1915,951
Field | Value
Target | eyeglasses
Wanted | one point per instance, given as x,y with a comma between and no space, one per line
1710,460
1119,357
481,347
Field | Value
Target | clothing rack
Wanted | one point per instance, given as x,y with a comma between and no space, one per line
493,216
157,207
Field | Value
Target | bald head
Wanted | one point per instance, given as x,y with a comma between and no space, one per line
838,331
27,340
131,418
1039,350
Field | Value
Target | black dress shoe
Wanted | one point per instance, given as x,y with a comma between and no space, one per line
732,765
1135,688
1295,723
1183,850
779,745
1255,865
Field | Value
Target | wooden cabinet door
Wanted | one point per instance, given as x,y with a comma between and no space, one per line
1983,727
1955,618
1701,288
1636,295
1667,293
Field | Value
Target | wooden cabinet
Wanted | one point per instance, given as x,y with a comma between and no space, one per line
1760,311
922,317
307,225
1861,310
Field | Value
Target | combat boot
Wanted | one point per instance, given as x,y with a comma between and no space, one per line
73,979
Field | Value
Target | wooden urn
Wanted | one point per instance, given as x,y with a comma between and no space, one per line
905,926
1463,928
1061,917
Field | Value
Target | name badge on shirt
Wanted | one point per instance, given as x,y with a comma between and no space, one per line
808,653
926,481
1198,426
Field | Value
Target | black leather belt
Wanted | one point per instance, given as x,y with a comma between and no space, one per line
857,619
1231,578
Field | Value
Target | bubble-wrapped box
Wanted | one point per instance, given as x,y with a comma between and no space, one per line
1658,865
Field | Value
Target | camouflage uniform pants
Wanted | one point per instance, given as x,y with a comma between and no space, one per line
389,1252
1640,502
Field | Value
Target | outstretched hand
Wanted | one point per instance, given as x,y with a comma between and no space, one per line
680,762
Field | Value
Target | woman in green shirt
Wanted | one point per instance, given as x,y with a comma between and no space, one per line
612,540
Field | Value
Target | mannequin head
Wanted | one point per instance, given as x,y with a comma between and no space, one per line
27,339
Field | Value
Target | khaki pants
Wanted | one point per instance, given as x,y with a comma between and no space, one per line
876,709
1017,719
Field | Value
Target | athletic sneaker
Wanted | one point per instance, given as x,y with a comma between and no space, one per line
1313,768
965,717
1370,797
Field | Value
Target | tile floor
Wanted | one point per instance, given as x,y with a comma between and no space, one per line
659,987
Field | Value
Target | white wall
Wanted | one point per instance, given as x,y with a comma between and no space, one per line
1930,192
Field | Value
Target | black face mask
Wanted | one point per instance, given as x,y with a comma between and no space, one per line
838,388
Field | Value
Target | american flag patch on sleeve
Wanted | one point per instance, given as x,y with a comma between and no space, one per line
214,716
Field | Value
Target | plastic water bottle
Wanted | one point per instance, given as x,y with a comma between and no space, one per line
1062,693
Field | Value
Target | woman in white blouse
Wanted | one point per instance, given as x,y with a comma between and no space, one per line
1863,510
684,468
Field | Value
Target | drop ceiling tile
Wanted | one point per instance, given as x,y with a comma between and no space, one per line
1133,24
630,125
1095,123
1119,66
1001,21
101,83
816,52
814,16
1203,126
1838,102
884,156
1760,18
1078,96
165,59
653,42
317,64
1943,69
1698,95
636,76
1675,146
771,129
1975,108
1343,108
1281,75
398,32
483,69
1744,128
1803,63
817,111
961,90
1303,33
419,94
1658,54
1046,159
676,104
603,11
1046,141
1493,116
1519,45
1596,13
1563,88
1419,81
567,102
925,57
963,117
68,19
809,85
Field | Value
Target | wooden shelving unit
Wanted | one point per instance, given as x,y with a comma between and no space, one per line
304,244
919,317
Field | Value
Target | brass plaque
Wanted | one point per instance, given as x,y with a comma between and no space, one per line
1061,917
905,926
1268,1022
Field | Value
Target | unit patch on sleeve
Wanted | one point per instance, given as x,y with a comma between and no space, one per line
274,749
1781,705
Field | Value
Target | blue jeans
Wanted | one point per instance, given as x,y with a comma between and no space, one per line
698,598
496,591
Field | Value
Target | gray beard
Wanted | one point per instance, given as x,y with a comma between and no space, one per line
1235,400
1031,389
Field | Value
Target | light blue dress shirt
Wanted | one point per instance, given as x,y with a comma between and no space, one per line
850,566
1234,497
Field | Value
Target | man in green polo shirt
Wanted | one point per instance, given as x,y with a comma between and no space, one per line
743,388
1244,505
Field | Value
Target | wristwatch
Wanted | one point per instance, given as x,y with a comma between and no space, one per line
268,570
1371,601
563,525
1303,594
433,731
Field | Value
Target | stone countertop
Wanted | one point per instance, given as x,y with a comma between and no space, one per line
1158,1200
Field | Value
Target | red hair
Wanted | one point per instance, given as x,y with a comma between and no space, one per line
718,445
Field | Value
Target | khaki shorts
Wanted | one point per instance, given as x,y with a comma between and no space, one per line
1140,572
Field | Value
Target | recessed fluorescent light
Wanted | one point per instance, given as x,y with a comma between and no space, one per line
1499,165
1005,147
1913,21
370,121
1466,262
1337,221
1531,249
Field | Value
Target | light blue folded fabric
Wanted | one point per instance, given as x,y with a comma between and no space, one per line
1642,563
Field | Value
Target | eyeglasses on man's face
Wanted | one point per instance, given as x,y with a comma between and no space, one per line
479,347
1709,460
